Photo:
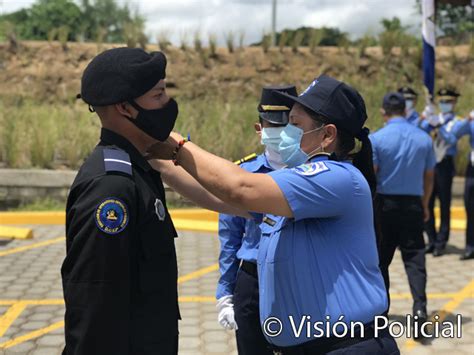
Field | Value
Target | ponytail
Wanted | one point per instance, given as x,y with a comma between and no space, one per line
363,160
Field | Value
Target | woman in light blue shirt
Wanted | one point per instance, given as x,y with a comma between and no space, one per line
317,260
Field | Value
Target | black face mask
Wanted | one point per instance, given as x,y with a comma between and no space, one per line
156,123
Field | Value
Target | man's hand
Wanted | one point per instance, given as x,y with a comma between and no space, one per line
225,307
164,150
426,214
471,115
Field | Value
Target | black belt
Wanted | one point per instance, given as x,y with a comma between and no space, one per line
400,197
326,345
249,268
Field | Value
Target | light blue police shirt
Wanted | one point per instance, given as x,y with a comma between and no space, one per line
451,122
414,118
239,237
323,261
402,153
466,128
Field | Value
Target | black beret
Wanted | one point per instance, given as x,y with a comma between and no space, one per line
341,104
121,74
448,93
408,92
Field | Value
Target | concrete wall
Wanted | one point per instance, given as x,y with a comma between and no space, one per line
21,186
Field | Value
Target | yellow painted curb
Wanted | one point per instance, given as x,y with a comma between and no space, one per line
184,219
15,233
33,218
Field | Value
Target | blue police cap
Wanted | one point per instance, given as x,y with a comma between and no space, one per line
121,74
393,101
341,104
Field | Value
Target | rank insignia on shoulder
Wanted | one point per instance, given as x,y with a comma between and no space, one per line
246,159
117,160
111,216
268,221
311,169
160,210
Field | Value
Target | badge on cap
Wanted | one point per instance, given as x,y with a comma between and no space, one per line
312,169
111,216
315,81
160,210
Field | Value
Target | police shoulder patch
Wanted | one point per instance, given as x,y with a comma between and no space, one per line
311,169
111,216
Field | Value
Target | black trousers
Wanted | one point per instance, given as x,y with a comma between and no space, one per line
401,222
250,338
469,204
443,182
384,344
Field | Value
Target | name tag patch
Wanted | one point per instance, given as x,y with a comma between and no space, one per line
312,169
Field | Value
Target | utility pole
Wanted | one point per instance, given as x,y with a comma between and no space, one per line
274,15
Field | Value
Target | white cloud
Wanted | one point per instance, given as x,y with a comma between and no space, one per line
254,17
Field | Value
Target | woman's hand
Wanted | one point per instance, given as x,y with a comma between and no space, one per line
164,150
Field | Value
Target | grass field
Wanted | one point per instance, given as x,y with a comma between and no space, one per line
43,126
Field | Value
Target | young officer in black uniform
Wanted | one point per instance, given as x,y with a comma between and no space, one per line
120,272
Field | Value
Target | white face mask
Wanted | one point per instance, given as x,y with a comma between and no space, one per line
274,159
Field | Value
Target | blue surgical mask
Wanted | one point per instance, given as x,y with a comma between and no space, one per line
445,107
271,137
409,104
290,146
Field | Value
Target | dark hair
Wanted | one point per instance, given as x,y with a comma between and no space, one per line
362,160
394,112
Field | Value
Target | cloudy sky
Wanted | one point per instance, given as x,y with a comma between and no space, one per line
181,18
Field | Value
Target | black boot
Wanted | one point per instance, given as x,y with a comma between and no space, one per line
421,318
467,255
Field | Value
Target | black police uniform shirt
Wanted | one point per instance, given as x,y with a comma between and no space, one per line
120,271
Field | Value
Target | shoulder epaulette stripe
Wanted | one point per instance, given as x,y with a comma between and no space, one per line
117,160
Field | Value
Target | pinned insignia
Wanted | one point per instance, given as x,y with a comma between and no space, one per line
111,216
311,169
160,210
268,221
315,81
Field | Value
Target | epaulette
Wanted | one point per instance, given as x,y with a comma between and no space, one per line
246,159
117,160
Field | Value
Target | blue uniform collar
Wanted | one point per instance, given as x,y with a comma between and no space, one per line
319,157
398,119
264,161
257,164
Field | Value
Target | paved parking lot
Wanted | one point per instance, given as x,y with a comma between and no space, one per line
31,307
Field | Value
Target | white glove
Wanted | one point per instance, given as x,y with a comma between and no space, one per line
428,111
471,115
430,116
225,307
